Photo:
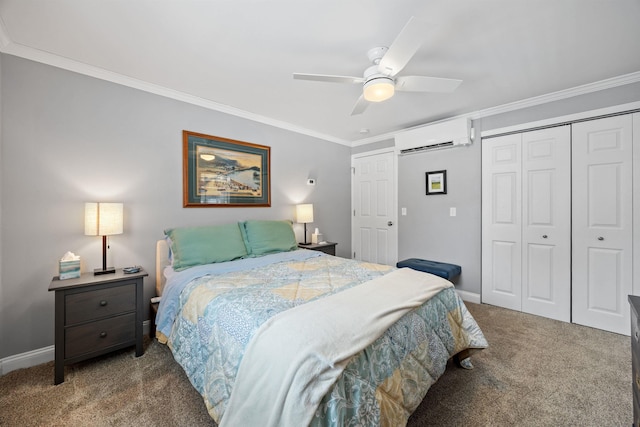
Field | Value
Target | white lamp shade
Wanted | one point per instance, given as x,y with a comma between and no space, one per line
103,219
379,89
304,213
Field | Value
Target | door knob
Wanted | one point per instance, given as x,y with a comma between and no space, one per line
389,223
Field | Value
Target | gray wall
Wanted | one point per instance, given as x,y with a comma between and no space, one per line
69,138
428,231
373,146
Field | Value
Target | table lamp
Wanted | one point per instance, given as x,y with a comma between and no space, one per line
103,219
304,214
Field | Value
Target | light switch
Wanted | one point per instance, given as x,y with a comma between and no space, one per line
404,211
452,211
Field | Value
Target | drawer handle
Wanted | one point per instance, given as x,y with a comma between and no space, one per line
601,238
103,334
103,303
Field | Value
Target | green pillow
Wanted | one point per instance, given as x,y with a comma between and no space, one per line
265,237
192,246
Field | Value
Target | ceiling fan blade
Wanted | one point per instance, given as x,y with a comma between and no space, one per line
361,105
426,84
328,78
403,47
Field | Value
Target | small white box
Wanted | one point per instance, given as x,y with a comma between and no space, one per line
316,238
69,269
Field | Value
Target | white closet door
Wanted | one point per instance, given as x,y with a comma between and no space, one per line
546,223
602,223
501,221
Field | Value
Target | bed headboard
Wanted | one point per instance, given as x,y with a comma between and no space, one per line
162,261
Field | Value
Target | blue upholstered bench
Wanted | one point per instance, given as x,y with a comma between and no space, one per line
447,271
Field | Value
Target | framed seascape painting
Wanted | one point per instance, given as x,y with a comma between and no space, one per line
221,172
436,182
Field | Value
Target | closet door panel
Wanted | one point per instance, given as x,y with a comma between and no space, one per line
540,256
602,222
546,228
501,222
605,267
503,255
605,201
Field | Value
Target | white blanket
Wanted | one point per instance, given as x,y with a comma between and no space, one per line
295,357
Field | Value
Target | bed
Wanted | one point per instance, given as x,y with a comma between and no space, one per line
270,334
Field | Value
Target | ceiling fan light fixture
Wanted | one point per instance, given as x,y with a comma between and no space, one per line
378,89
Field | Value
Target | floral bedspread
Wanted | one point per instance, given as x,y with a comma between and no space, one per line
218,314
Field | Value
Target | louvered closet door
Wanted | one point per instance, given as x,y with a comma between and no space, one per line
501,222
546,223
602,223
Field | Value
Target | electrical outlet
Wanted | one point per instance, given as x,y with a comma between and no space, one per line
452,211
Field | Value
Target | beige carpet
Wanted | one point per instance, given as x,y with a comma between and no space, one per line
536,372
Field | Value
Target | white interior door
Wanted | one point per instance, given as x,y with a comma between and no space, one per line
546,223
602,223
374,230
501,221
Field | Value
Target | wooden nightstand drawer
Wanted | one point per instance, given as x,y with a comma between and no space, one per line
86,306
96,336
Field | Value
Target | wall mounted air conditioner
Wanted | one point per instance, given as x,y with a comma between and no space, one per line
452,133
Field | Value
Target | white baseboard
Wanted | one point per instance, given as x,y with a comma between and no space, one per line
26,360
469,296
41,355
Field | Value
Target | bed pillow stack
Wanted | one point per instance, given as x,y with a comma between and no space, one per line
191,246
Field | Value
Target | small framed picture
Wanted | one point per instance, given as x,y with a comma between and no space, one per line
436,182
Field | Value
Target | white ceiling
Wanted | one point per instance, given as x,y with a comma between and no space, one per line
238,56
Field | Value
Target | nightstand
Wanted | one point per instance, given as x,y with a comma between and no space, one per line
327,247
96,315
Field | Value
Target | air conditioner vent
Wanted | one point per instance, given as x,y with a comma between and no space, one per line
427,147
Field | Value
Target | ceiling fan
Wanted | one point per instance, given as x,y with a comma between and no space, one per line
379,80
